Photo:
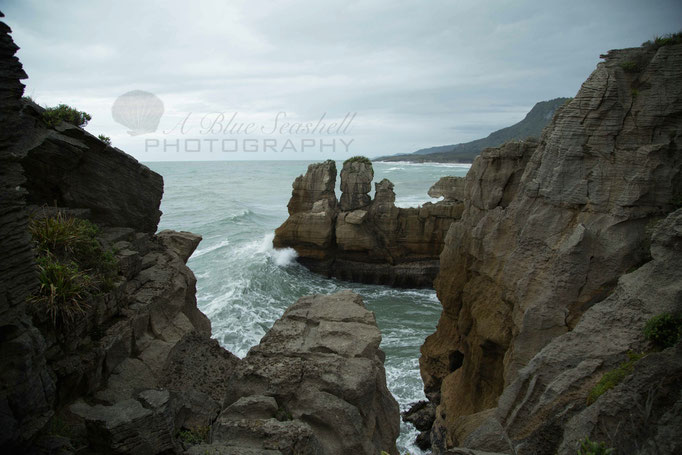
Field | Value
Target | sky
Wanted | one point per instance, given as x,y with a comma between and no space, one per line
309,80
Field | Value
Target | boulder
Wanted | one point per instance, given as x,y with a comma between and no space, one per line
449,188
320,371
181,243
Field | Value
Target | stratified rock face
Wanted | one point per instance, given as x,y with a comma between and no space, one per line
356,183
320,371
138,369
543,239
68,167
27,391
316,185
544,410
364,240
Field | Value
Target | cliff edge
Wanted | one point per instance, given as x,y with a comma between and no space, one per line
102,346
537,302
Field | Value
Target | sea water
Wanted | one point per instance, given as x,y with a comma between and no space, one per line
244,285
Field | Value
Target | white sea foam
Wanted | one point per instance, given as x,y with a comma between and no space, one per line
200,252
282,257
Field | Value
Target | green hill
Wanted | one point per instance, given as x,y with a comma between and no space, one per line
530,126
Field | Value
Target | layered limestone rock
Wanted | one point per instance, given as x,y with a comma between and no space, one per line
449,188
356,183
136,372
545,234
315,384
317,185
68,167
364,240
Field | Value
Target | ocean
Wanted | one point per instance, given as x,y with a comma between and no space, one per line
244,285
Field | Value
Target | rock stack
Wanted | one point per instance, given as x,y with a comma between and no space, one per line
360,239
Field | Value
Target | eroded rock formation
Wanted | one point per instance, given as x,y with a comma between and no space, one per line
317,376
360,239
137,372
529,277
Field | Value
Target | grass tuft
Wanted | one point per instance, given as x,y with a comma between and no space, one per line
664,40
614,377
72,266
588,447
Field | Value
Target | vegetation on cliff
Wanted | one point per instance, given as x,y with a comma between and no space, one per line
664,40
54,115
614,377
72,265
663,330
358,159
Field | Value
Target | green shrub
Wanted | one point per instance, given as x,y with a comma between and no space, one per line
664,40
588,447
64,235
55,115
663,330
358,159
72,265
194,435
630,66
62,289
614,377
105,139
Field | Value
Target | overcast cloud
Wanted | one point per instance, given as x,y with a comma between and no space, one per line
417,74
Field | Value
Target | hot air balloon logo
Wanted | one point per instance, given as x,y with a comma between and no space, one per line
139,111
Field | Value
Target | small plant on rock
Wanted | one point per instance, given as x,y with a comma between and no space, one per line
72,265
664,40
614,377
630,66
588,447
358,159
105,139
663,330
62,289
65,113
194,435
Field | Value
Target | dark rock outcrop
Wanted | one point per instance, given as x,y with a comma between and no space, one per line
137,372
534,311
68,167
364,240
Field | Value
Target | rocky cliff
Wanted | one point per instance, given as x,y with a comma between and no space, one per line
133,369
536,301
359,238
